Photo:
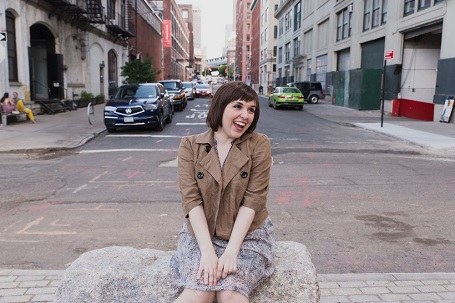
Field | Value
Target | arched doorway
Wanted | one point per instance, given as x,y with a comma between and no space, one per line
46,67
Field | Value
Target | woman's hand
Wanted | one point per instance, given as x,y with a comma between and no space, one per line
208,268
227,264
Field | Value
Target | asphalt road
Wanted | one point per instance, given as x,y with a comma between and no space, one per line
360,201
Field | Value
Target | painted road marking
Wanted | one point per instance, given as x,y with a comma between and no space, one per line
98,208
21,241
145,136
79,188
25,230
190,123
127,150
172,163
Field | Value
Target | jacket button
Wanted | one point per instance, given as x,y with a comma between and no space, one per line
208,148
243,174
200,175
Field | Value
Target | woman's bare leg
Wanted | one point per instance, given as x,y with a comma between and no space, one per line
230,296
195,296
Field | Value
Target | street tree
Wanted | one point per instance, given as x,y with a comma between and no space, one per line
137,71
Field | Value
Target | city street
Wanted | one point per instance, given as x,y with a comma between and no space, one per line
361,202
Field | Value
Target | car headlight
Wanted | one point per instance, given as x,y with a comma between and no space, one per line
110,108
150,106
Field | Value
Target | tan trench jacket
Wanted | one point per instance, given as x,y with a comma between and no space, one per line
243,181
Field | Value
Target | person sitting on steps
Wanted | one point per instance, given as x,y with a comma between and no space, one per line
8,104
21,107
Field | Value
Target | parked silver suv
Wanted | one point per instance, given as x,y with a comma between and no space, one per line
312,91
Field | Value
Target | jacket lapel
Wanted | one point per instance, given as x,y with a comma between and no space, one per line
235,161
208,160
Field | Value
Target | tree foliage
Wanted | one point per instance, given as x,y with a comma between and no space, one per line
137,71
222,70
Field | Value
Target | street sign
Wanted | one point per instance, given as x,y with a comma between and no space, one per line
388,55
2,36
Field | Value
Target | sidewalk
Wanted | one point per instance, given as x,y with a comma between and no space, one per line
71,129
41,286
64,130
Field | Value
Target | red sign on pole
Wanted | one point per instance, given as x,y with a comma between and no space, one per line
388,55
167,33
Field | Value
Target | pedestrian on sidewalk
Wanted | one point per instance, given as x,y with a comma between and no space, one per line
8,104
225,248
21,107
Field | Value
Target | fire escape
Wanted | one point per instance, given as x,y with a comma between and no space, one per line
81,13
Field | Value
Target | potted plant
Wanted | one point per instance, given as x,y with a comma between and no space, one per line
99,98
86,98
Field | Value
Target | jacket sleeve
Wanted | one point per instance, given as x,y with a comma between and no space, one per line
258,185
187,180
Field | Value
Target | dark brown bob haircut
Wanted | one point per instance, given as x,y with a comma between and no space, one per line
231,91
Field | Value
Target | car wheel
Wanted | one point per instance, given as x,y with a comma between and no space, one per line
274,105
313,99
111,130
300,108
160,126
270,103
169,118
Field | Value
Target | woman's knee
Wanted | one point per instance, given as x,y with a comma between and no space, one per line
230,296
195,296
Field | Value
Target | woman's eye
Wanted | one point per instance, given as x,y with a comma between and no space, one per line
237,106
252,110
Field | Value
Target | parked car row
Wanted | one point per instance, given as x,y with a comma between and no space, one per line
149,105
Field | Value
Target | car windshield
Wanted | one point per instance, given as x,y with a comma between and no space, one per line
290,90
125,92
187,85
170,85
203,86
146,91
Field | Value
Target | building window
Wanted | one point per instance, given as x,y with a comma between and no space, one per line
374,13
288,20
297,47
344,23
384,11
321,69
281,26
111,9
424,4
280,55
297,16
288,51
11,45
275,32
308,69
409,7
274,51
248,26
248,15
248,38
366,15
247,48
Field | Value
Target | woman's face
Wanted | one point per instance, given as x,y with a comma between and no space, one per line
237,118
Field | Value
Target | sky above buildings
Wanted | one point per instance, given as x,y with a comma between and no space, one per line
215,14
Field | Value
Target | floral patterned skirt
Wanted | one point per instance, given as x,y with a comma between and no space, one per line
255,261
